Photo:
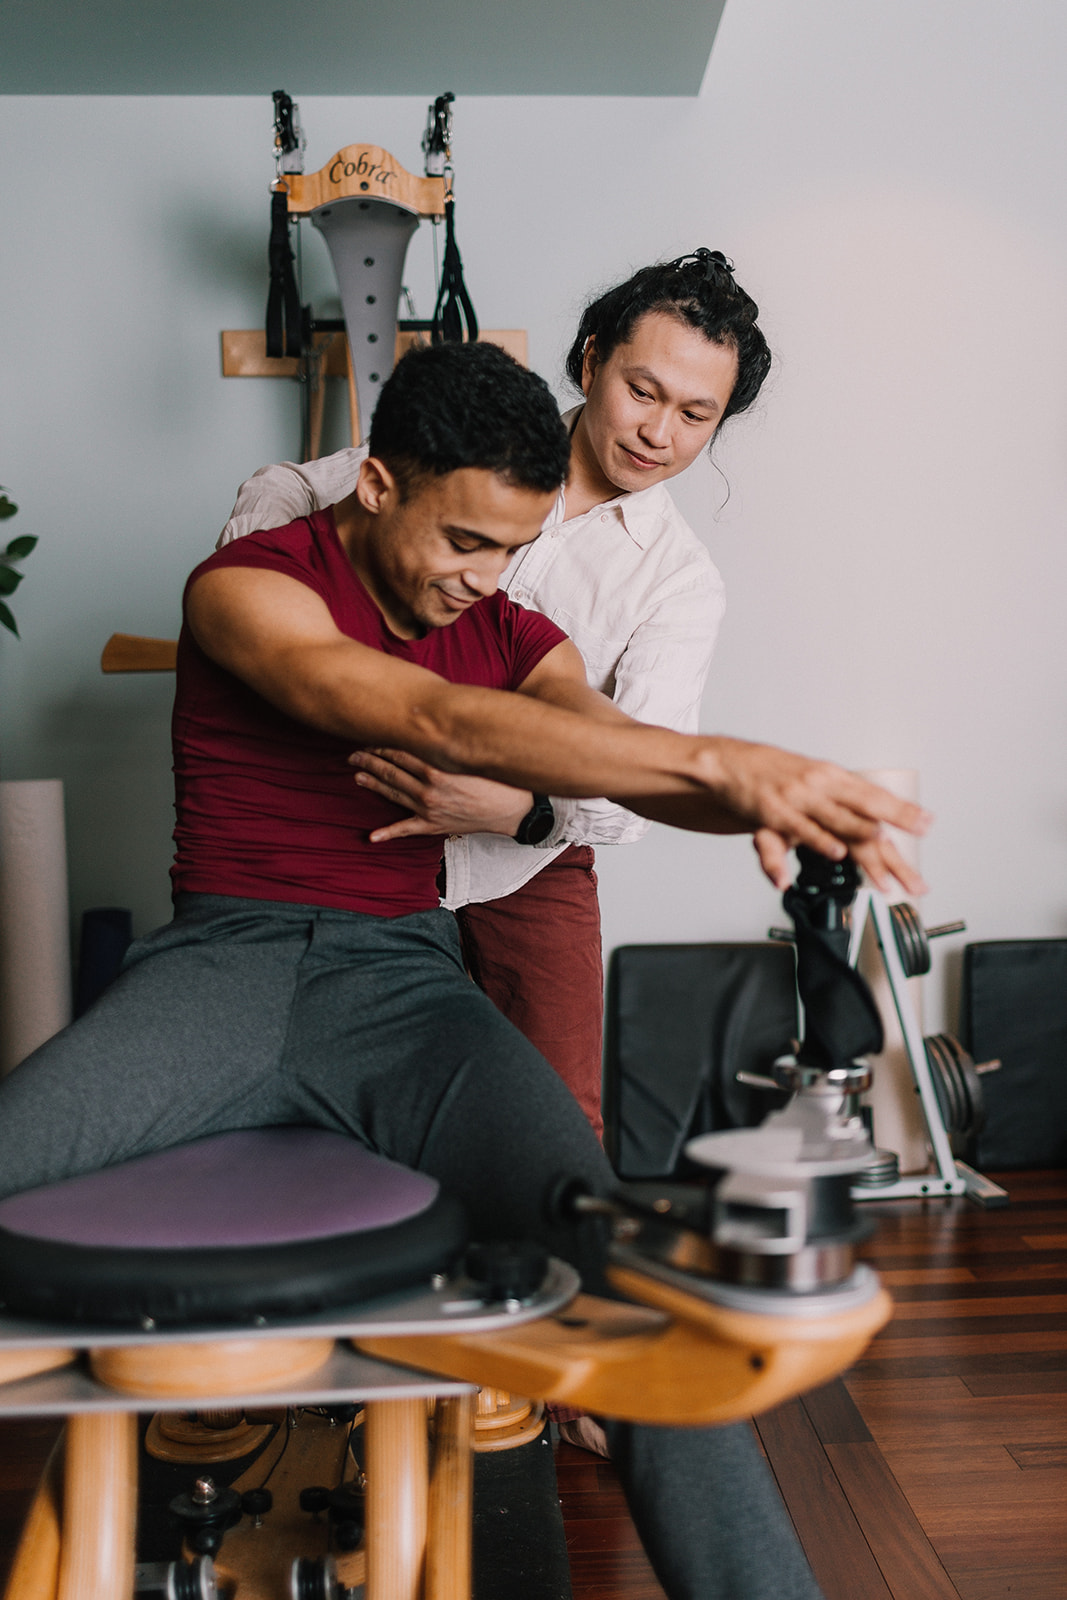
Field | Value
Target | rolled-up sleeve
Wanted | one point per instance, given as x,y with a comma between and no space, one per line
276,495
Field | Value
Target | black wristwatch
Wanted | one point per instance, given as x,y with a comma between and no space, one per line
538,822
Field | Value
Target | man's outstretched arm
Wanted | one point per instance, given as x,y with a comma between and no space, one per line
279,637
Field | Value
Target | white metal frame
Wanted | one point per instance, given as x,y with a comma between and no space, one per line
950,1177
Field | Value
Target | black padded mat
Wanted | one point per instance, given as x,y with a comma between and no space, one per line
520,1548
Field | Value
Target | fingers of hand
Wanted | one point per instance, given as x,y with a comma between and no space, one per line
882,862
872,801
388,791
391,761
409,828
773,853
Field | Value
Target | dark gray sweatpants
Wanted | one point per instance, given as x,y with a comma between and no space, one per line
248,1013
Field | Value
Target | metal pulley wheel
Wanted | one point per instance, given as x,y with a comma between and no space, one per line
958,1088
314,1579
177,1580
193,1580
913,940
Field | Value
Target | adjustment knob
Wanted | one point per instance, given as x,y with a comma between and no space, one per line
506,1271
255,1503
315,1499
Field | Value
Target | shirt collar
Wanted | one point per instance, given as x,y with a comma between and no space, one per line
640,511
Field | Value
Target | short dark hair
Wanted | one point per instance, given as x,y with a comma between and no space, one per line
448,406
700,290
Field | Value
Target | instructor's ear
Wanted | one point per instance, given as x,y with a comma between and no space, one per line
590,364
375,486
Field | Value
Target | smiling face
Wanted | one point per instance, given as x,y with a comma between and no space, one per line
651,406
428,558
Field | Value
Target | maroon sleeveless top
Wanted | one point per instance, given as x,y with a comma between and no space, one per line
267,807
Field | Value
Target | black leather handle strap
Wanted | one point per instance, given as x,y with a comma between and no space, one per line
284,323
453,309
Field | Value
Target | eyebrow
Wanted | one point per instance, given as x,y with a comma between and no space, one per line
705,402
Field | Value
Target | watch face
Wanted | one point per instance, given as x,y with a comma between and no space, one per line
538,822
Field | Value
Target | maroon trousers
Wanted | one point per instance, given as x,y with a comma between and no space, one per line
536,954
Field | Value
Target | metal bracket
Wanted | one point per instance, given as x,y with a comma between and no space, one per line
951,1177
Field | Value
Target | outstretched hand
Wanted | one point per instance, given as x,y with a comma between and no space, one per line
442,802
794,800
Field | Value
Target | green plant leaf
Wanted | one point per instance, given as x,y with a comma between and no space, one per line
20,547
7,507
9,579
7,619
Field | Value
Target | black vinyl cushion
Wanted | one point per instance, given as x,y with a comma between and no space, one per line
682,1020
1014,1009
270,1223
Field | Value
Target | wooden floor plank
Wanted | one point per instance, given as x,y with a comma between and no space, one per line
939,1338
1018,1383
1031,1456
895,1535
826,1524
903,1277
834,1415
1016,1583
987,1296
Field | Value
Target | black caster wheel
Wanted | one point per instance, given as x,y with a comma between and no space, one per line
311,1579
193,1580
178,1580
255,1503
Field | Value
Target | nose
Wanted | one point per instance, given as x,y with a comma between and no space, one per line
484,579
655,428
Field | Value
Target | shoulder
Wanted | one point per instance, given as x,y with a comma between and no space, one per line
497,643
301,549
679,556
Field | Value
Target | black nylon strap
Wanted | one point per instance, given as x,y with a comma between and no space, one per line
284,334
453,308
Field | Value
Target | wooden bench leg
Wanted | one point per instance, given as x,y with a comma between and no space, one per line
99,1507
397,1496
35,1570
448,1541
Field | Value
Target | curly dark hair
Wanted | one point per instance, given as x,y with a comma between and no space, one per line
698,289
448,406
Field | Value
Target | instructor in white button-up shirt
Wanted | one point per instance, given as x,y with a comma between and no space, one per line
662,360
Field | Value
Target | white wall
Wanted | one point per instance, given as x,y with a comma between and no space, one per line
889,180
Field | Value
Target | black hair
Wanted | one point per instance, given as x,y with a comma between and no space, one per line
448,406
699,290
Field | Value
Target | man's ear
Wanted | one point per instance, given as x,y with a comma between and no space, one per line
375,487
590,364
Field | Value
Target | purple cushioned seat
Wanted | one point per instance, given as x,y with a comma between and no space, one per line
276,1221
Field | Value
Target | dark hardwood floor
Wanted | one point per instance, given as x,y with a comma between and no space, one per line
935,1470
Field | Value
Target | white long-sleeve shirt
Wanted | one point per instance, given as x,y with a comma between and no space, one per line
630,583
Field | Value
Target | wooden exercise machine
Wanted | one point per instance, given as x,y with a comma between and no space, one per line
682,1349
291,1268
